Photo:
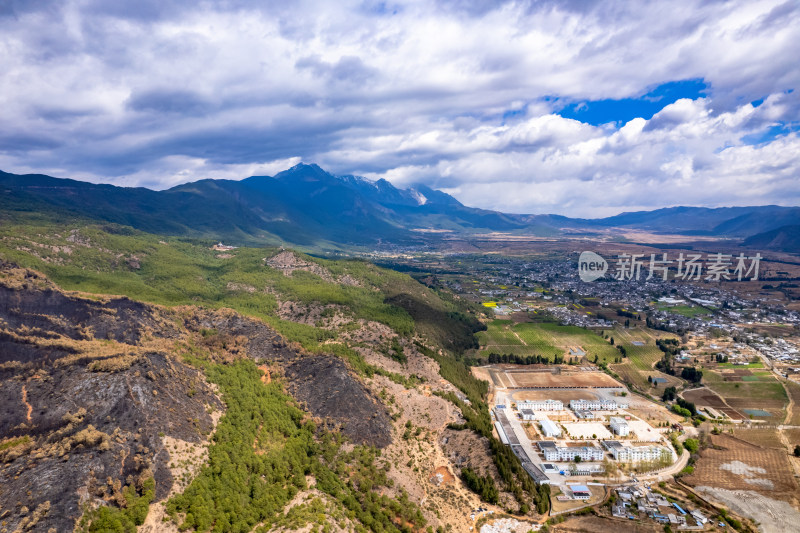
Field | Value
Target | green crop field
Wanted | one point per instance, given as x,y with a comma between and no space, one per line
748,365
690,311
499,335
638,365
753,392
546,339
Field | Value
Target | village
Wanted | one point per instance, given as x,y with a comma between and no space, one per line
608,391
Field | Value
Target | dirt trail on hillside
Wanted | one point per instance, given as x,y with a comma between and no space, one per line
27,405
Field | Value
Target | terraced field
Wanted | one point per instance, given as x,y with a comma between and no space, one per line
562,338
759,392
638,364
735,464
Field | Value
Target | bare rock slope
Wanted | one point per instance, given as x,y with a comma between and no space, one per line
92,388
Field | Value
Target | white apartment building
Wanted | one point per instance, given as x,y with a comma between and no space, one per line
593,405
562,453
541,405
620,426
636,454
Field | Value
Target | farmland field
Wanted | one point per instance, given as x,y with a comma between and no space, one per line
766,437
793,436
734,464
638,364
703,397
748,365
763,393
521,377
546,339
498,334
794,390
544,336
690,311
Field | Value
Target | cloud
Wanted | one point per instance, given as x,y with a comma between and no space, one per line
469,96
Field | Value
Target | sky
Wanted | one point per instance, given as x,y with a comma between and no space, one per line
573,107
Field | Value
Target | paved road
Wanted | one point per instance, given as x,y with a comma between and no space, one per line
670,471
504,398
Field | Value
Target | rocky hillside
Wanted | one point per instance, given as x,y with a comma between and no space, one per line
92,389
342,386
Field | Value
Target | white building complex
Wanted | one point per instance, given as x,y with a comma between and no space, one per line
620,426
635,454
541,405
564,453
550,428
593,405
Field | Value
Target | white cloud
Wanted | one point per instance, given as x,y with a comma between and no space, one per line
458,97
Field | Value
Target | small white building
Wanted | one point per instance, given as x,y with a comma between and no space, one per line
550,428
527,414
580,492
541,405
620,426
699,517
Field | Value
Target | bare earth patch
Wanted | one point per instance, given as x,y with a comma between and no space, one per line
287,262
749,473
417,458
185,461
772,516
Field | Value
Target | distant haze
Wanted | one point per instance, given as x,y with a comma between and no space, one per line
578,108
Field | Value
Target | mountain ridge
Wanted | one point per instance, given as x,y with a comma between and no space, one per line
308,206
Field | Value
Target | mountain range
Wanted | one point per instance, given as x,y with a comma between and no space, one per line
309,207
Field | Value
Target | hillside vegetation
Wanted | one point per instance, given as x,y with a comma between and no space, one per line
377,321
114,259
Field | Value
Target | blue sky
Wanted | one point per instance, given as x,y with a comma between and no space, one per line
621,111
579,108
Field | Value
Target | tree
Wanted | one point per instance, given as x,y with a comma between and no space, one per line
692,374
670,393
681,411
692,445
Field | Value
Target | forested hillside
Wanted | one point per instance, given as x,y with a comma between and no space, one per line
359,357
